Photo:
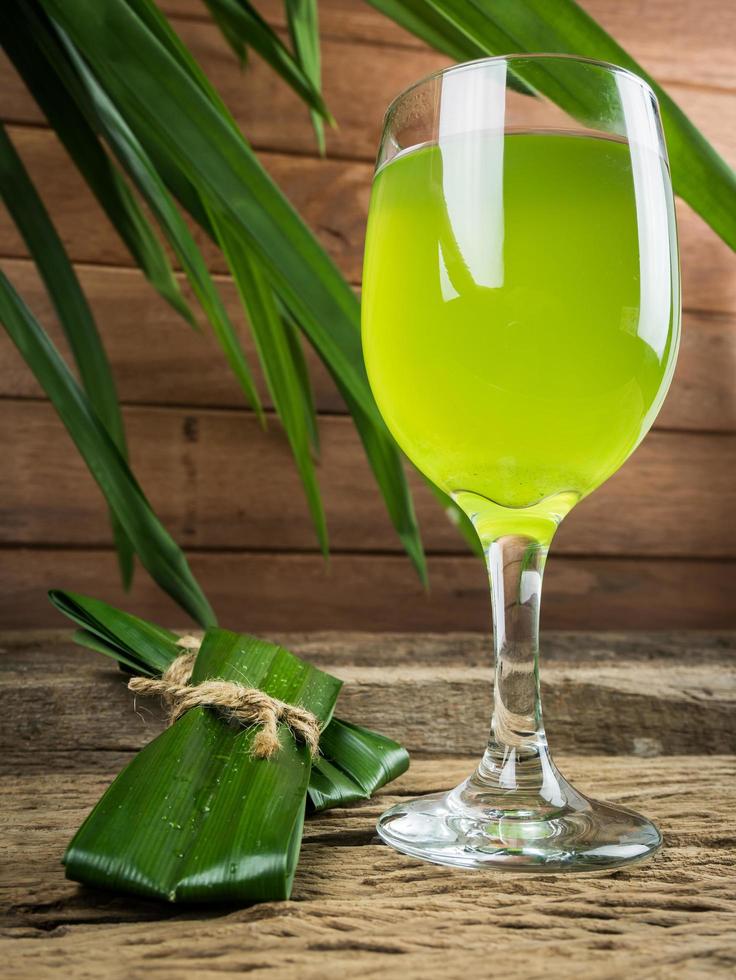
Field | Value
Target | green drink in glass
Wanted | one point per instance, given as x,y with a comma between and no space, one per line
520,329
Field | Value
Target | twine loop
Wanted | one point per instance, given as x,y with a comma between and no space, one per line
247,705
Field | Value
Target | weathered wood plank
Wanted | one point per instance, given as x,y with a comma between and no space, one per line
332,196
185,368
653,695
363,910
675,496
671,38
359,82
358,906
262,592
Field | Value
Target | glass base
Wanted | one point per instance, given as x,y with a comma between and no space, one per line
463,829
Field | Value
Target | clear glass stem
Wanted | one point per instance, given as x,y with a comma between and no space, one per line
516,759
517,812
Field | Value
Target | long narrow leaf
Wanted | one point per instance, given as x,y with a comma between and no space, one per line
388,469
158,552
353,763
303,20
278,365
159,99
195,817
699,174
234,40
148,648
421,19
302,374
135,160
155,21
244,21
30,216
32,45
167,109
188,197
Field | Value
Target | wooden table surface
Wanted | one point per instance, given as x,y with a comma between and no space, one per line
656,730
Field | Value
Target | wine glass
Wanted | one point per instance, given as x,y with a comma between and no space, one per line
521,318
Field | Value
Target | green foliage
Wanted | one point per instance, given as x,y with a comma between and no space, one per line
62,285
158,552
303,19
353,761
195,817
118,71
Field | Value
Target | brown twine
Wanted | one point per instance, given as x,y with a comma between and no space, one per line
248,705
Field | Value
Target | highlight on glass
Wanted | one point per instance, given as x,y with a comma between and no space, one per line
521,318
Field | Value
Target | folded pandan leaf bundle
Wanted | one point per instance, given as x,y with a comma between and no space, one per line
196,816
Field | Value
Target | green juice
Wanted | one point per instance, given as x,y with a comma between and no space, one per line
520,312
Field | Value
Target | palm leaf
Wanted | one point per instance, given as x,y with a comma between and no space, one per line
32,45
699,174
232,37
195,817
421,19
92,109
261,324
280,369
245,24
169,111
354,761
146,648
159,26
134,159
75,316
303,19
158,552
191,201
302,374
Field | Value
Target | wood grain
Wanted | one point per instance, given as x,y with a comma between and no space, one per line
674,497
361,910
655,694
332,196
182,367
262,592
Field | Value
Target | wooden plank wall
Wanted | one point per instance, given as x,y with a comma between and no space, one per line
654,548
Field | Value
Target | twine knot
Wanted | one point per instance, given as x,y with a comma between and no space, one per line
247,705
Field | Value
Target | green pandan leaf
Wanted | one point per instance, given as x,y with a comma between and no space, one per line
354,762
189,138
158,552
195,817
150,648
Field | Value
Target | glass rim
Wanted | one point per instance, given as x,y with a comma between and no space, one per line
608,66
